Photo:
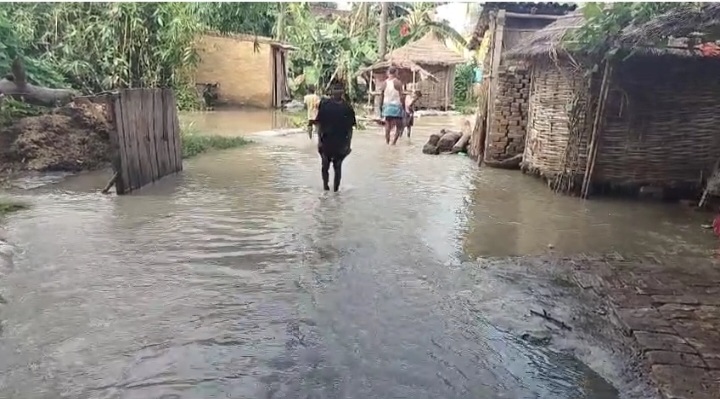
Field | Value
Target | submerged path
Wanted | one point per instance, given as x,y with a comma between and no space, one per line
240,278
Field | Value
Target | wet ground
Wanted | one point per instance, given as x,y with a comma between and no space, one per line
240,278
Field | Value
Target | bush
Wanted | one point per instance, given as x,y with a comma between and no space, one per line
9,206
195,143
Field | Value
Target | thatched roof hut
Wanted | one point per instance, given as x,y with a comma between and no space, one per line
532,14
506,95
408,71
652,119
436,58
692,20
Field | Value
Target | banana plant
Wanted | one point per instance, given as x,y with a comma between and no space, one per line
418,19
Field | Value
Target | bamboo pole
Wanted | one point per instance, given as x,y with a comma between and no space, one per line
597,122
382,46
492,76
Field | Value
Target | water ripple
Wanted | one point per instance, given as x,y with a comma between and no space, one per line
241,278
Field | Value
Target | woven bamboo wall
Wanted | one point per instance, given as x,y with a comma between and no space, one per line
510,110
662,125
433,94
553,90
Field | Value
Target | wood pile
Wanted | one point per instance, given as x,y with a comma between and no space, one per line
448,142
510,115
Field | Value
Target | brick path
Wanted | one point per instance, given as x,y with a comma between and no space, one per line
674,315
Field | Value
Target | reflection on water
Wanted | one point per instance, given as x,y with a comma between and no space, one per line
241,278
513,214
234,123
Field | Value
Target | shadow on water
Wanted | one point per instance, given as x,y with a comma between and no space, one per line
241,278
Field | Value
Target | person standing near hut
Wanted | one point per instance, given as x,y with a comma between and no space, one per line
409,116
335,120
312,103
392,105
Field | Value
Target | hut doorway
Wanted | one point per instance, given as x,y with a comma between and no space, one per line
280,89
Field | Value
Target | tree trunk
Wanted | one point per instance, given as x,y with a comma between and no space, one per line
382,47
462,143
281,23
15,85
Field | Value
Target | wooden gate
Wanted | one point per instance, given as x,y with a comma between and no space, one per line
146,137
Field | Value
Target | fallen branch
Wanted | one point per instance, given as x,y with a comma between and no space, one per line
462,143
15,85
545,315
111,183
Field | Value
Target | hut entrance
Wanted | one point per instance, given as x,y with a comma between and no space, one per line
505,99
145,138
280,88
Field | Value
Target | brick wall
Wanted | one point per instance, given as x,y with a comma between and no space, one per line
507,136
245,76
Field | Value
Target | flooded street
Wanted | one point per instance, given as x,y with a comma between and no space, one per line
241,278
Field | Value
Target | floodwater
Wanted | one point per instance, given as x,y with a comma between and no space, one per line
240,278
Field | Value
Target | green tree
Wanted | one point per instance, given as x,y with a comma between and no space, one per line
251,17
103,46
420,19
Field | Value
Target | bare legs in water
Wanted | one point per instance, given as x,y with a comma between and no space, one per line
390,124
336,162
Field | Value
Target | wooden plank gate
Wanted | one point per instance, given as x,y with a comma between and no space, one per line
146,139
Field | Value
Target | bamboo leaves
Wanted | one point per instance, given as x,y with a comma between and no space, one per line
102,46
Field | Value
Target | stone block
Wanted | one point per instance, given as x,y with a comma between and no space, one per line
673,311
681,382
679,299
659,341
674,358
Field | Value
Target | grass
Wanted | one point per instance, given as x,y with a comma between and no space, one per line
9,206
195,143
466,108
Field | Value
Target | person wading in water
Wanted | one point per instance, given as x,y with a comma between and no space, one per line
335,120
392,105
409,116
312,102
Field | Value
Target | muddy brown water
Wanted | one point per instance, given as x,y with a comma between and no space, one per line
240,278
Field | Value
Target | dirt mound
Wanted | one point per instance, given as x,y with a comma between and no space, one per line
71,138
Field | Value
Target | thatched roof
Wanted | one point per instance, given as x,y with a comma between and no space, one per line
327,13
685,22
548,42
426,51
405,67
532,8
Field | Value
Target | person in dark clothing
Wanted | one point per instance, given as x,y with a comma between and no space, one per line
335,120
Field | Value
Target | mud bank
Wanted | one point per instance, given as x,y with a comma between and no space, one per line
71,138
580,324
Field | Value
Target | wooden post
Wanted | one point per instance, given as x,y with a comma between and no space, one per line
382,46
597,126
494,67
448,78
